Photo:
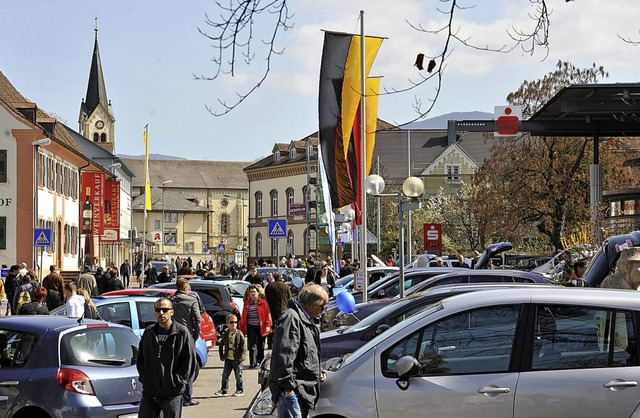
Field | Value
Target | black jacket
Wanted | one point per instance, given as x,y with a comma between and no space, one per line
164,371
295,358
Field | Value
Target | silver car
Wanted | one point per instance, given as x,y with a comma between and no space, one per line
526,352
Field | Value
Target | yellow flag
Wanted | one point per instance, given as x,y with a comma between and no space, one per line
147,184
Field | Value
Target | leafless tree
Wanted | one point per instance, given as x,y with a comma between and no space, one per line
236,37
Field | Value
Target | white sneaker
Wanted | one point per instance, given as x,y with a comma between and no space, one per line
239,393
221,393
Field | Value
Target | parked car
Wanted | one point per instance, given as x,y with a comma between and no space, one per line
159,265
431,260
216,298
525,352
387,287
135,312
52,366
207,327
375,274
236,289
460,276
604,261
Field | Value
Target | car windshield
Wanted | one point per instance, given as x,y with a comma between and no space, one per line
343,281
375,341
379,315
99,346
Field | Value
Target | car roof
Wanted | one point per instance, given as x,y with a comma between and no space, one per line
494,272
41,323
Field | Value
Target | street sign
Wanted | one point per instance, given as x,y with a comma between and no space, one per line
42,237
277,228
432,238
221,248
507,120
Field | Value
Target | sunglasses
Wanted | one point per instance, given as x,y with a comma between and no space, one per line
163,310
233,322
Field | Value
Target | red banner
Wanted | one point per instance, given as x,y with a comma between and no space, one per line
92,202
111,212
432,238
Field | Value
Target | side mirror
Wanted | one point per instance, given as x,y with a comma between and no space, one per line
382,328
406,367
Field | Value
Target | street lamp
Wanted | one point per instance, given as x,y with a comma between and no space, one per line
164,184
412,190
36,145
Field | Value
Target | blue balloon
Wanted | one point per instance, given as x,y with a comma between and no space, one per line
297,282
346,303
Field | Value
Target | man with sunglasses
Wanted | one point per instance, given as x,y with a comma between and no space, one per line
296,374
166,358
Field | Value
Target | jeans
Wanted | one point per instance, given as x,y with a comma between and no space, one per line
255,341
290,407
187,396
236,366
151,407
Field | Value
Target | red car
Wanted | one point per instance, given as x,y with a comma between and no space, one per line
207,327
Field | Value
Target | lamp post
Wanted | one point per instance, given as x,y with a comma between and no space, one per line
412,190
36,145
164,184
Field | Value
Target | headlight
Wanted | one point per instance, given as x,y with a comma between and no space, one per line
264,405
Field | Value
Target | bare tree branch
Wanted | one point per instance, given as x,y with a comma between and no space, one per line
233,35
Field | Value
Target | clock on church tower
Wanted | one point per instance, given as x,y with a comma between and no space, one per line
99,124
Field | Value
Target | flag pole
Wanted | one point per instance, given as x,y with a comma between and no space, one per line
147,198
363,175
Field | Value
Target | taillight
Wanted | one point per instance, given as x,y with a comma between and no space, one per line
75,381
236,310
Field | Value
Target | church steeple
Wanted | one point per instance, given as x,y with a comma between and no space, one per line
96,115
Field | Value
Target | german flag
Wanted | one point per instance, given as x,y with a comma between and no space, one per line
338,112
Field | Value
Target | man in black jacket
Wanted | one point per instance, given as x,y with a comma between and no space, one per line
295,360
166,359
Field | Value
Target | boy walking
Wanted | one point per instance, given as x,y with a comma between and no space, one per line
233,351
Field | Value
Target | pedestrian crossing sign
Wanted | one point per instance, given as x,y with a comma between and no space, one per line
42,237
277,228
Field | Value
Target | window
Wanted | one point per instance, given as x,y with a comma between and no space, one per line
290,196
258,205
3,166
453,173
258,245
574,337
118,313
189,247
171,217
3,232
103,137
156,224
224,224
99,347
292,153
476,341
16,348
274,203
290,248
96,137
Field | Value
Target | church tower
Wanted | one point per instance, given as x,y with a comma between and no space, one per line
96,120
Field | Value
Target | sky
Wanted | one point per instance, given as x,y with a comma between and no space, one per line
151,49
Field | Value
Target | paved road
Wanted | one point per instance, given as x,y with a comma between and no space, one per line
209,382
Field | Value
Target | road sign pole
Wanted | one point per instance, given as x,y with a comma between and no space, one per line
41,261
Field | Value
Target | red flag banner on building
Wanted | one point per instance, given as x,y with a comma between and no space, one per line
111,212
92,206
339,101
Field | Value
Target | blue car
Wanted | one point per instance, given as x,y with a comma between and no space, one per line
53,366
137,313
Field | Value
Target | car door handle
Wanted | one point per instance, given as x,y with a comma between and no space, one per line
9,383
493,390
619,384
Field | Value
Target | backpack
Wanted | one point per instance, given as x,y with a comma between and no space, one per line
25,297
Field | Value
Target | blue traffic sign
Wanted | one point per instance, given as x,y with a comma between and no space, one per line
277,228
42,237
221,247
